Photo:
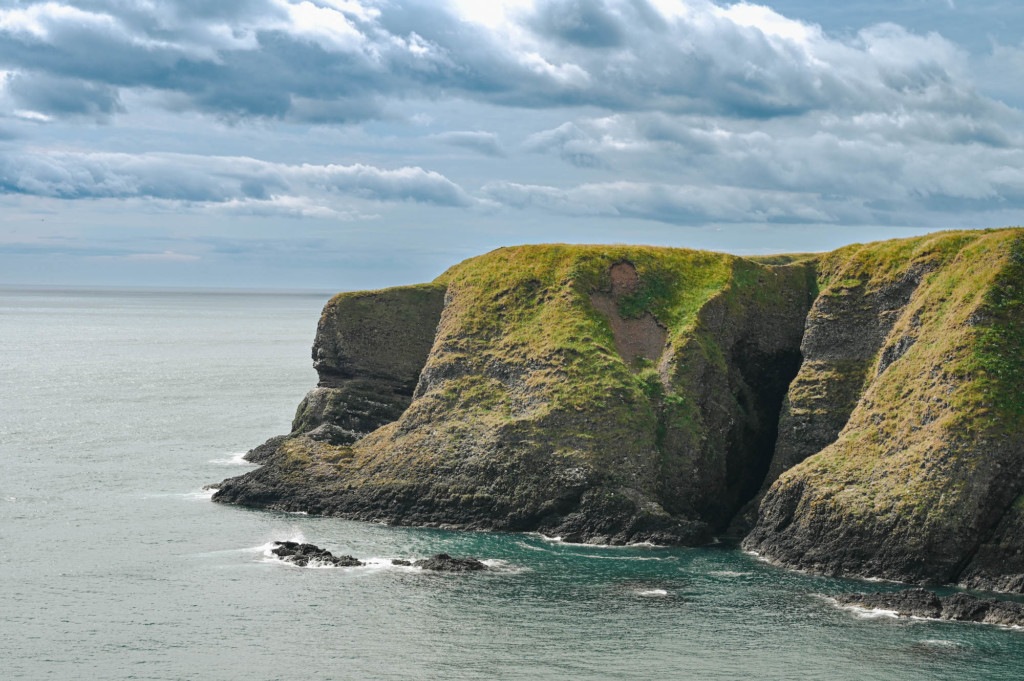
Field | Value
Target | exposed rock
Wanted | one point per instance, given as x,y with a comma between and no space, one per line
613,394
369,349
304,554
867,400
264,452
922,483
442,562
921,603
400,562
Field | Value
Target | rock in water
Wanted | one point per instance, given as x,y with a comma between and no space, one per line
304,554
442,562
960,607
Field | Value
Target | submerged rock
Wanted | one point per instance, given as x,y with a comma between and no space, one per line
960,607
304,554
442,562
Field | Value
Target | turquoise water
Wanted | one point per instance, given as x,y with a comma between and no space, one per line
117,407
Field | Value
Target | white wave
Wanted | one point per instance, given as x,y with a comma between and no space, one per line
652,593
632,545
587,555
942,643
236,459
503,566
202,494
871,613
524,545
729,573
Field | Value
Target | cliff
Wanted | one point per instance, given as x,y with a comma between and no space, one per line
607,394
858,411
901,440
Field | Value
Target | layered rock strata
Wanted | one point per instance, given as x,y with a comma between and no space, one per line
368,352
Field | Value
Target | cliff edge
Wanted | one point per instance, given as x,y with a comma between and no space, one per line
604,394
902,438
852,413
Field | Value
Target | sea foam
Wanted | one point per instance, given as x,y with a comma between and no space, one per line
236,459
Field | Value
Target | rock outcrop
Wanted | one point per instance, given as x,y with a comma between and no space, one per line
958,607
442,562
305,555
369,349
604,394
858,412
922,483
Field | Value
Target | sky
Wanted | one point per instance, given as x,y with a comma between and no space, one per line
352,144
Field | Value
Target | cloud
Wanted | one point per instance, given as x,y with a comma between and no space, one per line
165,256
588,23
676,111
338,61
485,143
232,183
673,204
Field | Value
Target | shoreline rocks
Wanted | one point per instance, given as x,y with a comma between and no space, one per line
442,562
304,554
959,607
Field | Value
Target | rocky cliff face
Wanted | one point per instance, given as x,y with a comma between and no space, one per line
863,407
921,482
607,394
369,349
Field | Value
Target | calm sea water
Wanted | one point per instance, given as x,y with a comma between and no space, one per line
117,407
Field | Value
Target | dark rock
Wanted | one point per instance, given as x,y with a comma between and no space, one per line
264,452
304,554
403,563
894,458
958,607
907,603
442,562
616,427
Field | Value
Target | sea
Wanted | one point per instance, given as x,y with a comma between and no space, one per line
118,406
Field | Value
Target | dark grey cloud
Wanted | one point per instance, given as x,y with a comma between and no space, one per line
61,97
587,23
